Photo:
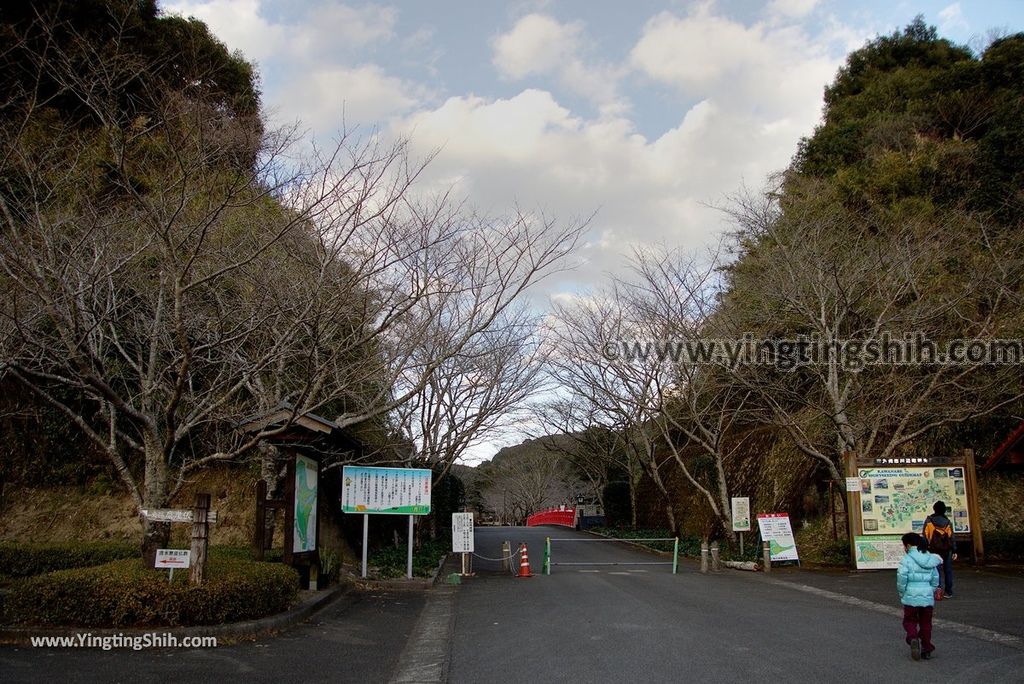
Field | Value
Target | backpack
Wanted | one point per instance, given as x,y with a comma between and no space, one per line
940,539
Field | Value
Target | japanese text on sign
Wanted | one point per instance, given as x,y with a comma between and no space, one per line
393,491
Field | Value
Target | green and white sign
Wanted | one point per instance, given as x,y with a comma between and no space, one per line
778,532
304,532
387,491
741,514
878,552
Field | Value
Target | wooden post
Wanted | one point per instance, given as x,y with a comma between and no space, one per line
259,532
853,512
766,556
973,506
200,538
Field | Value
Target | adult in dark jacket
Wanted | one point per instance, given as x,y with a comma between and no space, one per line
934,524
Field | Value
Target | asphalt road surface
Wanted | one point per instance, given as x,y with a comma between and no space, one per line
581,623
623,623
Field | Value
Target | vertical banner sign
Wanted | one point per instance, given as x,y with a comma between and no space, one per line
387,491
462,533
778,532
741,514
306,481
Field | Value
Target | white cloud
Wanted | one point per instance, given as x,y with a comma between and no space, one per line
538,45
322,87
325,97
951,19
791,8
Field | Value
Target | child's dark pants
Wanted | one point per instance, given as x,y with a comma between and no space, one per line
918,623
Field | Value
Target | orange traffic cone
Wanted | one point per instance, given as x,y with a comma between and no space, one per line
524,563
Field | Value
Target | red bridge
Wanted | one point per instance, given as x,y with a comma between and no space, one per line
553,516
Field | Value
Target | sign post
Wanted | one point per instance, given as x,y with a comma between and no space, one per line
386,491
741,517
171,559
200,518
463,539
777,533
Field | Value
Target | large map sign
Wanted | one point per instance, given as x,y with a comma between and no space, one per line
391,491
897,500
304,532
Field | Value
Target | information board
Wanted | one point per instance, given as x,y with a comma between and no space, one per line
880,552
462,533
897,500
387,491
741,514
307,478
778,532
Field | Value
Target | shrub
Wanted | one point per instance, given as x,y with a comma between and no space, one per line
1003,545
124,593
25,560
391,561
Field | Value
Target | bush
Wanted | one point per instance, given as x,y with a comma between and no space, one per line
25,560
391,561
124,593
1003,545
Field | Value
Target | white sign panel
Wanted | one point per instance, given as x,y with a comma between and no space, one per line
173,558
391,491
778,532
741,514
172,515
853,484
462,532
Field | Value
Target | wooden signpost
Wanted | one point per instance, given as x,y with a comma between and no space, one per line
200,518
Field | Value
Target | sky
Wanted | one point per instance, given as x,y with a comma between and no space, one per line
646,115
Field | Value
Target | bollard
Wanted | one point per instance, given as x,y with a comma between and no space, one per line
704,557
766,552
715,566
506,556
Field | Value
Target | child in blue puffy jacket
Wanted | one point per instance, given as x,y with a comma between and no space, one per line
916,579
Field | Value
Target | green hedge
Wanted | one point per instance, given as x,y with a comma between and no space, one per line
124,593
1002,545
26,560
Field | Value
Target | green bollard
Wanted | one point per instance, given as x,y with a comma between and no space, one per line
675,557
546,569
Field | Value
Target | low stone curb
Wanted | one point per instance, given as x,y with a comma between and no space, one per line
234,631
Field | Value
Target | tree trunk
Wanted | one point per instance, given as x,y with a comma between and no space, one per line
155,535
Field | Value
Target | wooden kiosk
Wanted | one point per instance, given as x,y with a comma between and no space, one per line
888,497
302,438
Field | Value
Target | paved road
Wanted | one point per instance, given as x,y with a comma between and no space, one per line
625,623
607,623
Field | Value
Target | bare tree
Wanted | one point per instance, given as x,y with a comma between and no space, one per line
158,302
623,395
673,301
841,278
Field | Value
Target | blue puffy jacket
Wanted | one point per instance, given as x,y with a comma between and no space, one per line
917,577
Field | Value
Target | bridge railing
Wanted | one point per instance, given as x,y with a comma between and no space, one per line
562,515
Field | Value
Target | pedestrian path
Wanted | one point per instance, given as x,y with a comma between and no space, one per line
988,598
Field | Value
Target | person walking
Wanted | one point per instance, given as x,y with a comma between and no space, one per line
938,530
916,579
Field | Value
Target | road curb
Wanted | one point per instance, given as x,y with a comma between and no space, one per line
234,631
